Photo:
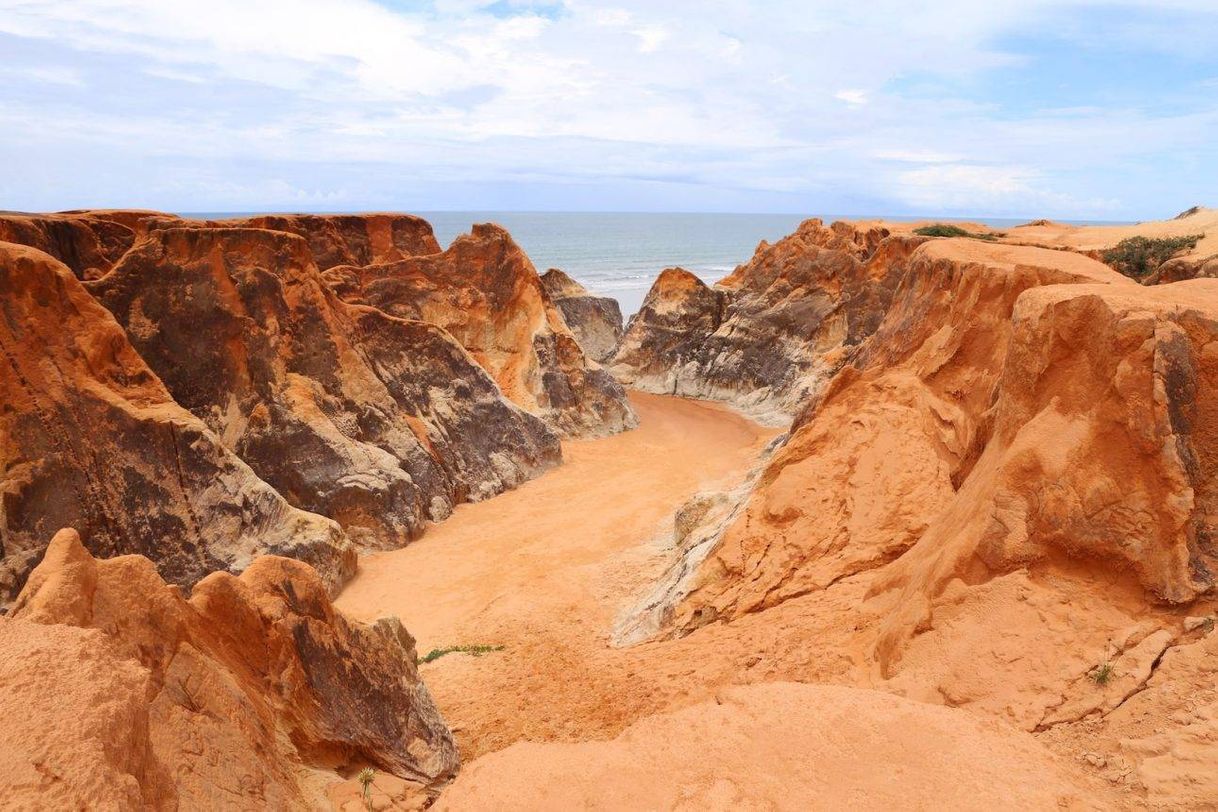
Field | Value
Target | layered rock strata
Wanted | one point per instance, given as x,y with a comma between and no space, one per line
486,293
91,438
123,694
380,423
773,332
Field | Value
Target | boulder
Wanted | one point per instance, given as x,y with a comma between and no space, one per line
596,321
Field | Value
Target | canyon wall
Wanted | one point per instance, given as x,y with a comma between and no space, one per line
91,439
772,333
207,395
486,293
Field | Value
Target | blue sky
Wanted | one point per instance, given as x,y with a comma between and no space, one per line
1055,108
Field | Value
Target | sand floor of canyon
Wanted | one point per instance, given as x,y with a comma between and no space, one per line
543,571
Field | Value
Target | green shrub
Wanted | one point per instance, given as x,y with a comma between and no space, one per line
1137,257
949,230
1102,674
476,651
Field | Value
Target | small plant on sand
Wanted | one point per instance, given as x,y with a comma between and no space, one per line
474,651
366,777
1102,674
949,230
1137,257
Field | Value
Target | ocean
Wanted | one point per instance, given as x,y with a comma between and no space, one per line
620,254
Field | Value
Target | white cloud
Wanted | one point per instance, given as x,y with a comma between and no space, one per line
808,97
854,98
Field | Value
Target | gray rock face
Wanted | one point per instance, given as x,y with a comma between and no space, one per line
770,335
596,321
486,293
377,422
91,439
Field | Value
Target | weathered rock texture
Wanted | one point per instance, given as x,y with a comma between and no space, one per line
121,694
90,438
347,239
999,416
486,293
87,243
595,320
378,422
773,332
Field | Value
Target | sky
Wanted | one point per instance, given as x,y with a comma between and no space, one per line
1089,109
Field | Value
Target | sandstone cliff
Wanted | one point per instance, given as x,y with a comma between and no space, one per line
486,293
90,438
344,239
121,694
378,422
894,440
773,332
595,320
88,244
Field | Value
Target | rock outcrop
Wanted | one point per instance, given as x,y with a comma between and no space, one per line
87,243
378,422
90,438
344,239
1101,450
595,320
772,333
892,446
486,293
1178,270
120,693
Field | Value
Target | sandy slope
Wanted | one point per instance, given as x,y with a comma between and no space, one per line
780,746
543,570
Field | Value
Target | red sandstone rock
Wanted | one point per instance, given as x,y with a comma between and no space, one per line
246,695
89,437
486,293
89,245
773,332
378,422
350,239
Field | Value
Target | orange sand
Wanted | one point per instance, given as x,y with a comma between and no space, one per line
543,570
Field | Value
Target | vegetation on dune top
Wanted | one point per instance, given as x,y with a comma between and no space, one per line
949,230
475,650
1137,257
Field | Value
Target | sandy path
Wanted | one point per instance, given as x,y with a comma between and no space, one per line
543,570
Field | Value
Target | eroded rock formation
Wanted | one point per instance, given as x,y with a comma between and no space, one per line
87,243
486,293
90,438
342,239
773,332
595,320
120,693
378,422
893,443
